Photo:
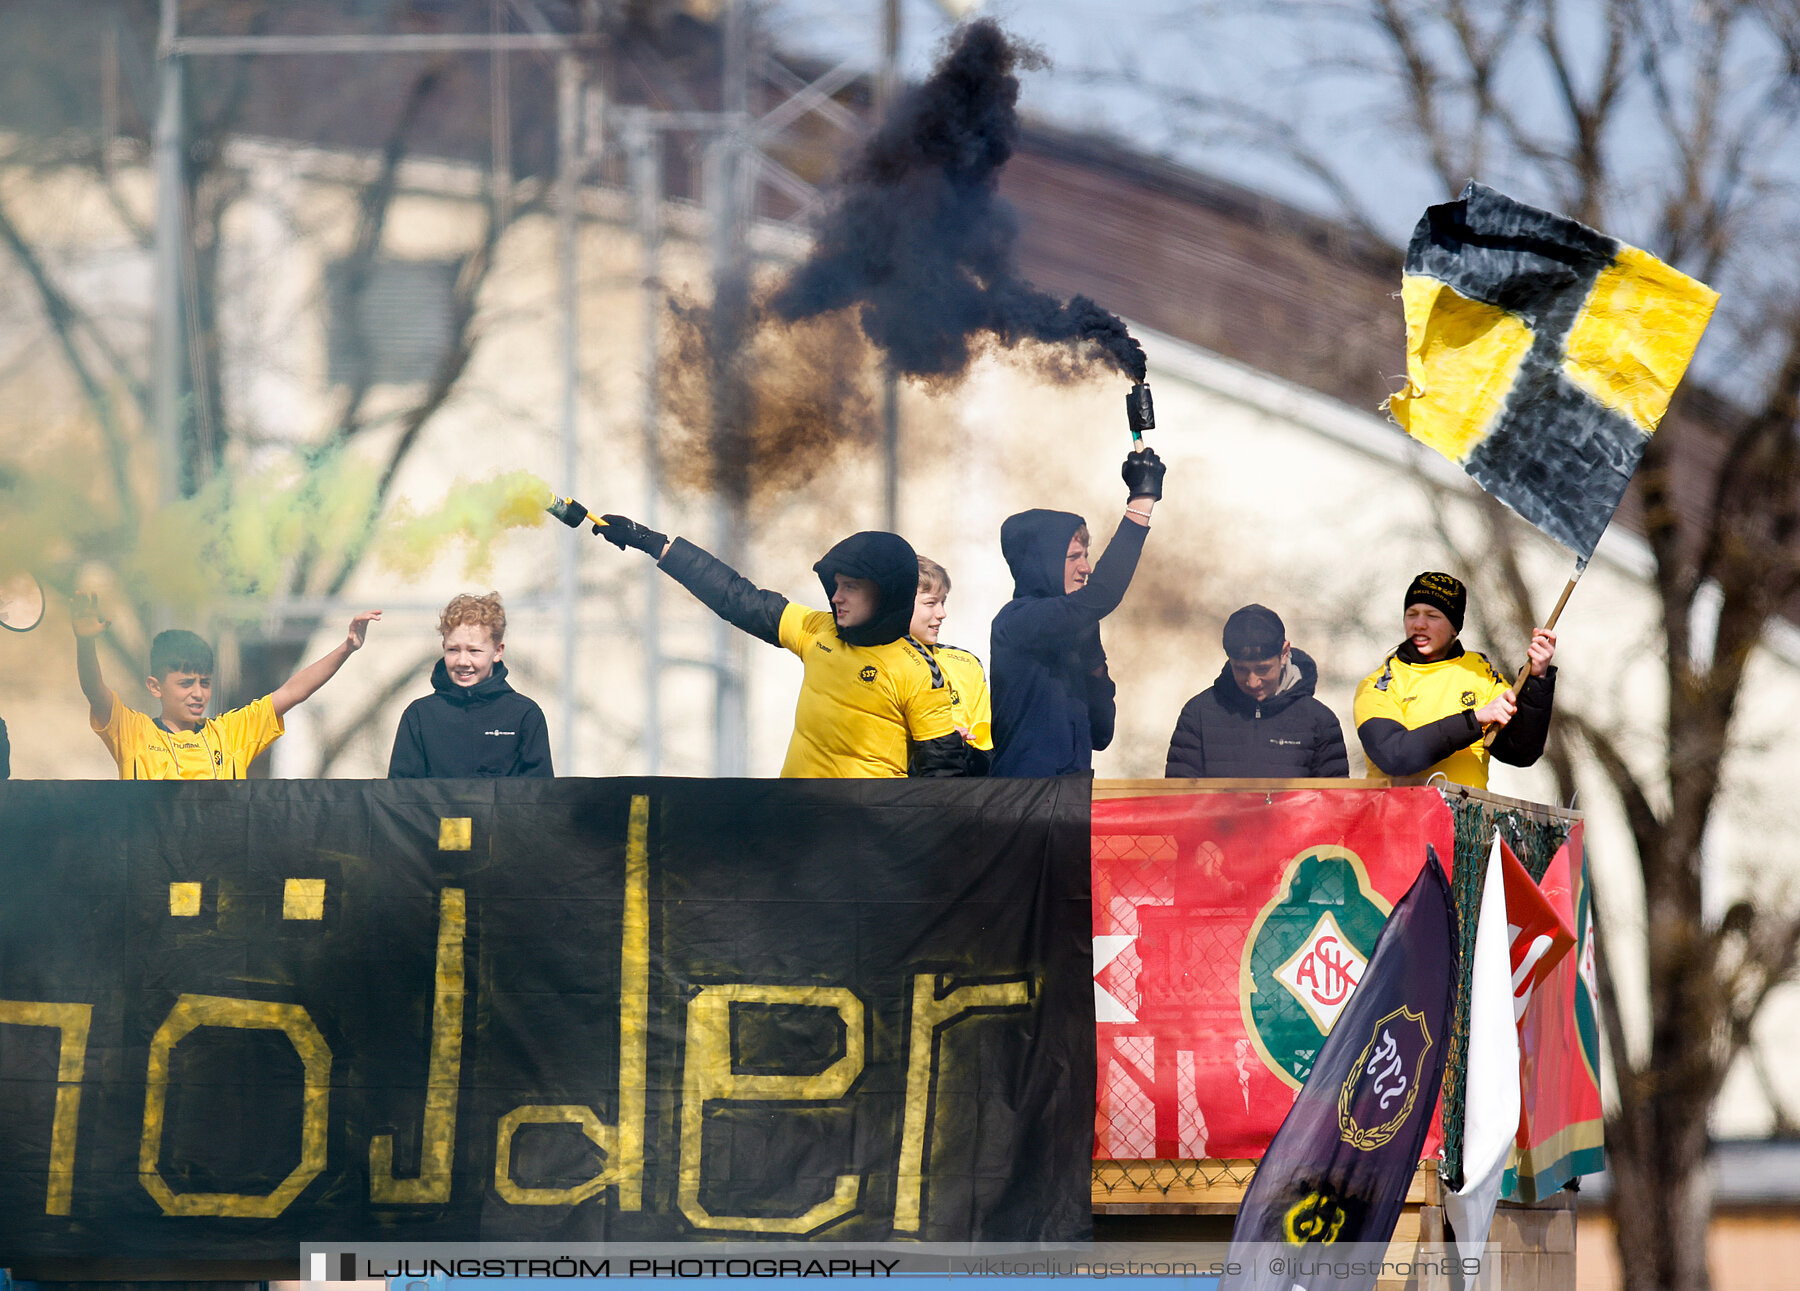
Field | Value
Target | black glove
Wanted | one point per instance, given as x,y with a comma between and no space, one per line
1143,472
622,533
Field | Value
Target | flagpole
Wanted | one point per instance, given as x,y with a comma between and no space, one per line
1493,731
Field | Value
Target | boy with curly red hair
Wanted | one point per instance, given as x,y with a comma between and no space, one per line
473,724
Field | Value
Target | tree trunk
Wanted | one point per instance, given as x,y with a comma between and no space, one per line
1662,1192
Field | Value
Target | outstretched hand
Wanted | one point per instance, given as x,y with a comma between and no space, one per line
623,532
359,628
84,615
1143,474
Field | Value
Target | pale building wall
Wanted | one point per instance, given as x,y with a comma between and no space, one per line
1275,494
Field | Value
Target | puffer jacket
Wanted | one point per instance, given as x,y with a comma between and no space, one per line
1224,734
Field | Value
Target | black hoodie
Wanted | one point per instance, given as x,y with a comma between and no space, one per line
1053,698
463,732
1223,733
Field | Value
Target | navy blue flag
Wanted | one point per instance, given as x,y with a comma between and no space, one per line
1337,1170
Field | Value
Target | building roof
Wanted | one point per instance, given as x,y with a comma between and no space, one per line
1745,1172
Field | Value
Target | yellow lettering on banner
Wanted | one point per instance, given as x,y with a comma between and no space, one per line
72,1021
303,899
634,1009
184,900
192,1012
601,1136
932,1015
624,1147
1462,357
443,1075
708,1077
456,833
1635,333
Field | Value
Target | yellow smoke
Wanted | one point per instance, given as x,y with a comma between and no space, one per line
249,535
476,513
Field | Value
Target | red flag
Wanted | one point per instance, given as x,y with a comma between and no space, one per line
1538,935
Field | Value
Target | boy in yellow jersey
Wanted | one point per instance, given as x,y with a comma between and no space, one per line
969,706
1424,710
181,743
870,706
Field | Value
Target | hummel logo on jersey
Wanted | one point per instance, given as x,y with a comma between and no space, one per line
1407,699
499,732
823,646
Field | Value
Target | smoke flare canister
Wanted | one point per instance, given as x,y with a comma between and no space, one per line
573,514
1141,412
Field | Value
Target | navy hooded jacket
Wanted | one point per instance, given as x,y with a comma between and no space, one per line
1053,699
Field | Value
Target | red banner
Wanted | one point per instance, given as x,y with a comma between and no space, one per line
1560,1131
1229,930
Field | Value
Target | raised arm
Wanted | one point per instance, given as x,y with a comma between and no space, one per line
719,587
1052,620
300,687
84,617
1521,741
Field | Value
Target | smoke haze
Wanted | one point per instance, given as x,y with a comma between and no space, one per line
920,245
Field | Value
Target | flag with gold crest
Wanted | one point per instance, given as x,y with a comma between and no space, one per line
1541,355
1336,1174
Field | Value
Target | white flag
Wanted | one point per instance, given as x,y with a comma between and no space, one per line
1491,1090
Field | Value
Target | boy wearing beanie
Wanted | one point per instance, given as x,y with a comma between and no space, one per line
1424,710
1260,719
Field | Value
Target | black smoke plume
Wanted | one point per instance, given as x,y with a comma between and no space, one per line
919,241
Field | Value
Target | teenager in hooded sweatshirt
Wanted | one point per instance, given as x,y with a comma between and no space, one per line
473,723
1259,720
1053,698
870,706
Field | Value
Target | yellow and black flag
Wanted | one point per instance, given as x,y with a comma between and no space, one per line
1540,355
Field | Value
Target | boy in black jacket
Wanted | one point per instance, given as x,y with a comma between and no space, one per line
1259,720
473,723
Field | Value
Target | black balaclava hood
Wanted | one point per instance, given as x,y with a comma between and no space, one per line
1036,546
890,561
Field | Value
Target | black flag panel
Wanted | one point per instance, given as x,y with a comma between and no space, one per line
1337,1170
234,1017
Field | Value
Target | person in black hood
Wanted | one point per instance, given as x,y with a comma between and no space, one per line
1053,697
870,705
1259,720
473,723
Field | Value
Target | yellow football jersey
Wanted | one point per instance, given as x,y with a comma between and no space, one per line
969,706
859,705
222,749
1415,694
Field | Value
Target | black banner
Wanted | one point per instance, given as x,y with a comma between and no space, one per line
234,1017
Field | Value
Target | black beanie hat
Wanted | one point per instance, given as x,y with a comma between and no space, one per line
1440,591
1254,632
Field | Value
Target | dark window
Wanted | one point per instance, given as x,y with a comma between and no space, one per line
397,328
